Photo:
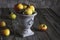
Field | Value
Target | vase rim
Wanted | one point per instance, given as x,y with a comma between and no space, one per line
30,15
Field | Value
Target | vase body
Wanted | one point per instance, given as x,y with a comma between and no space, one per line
25,24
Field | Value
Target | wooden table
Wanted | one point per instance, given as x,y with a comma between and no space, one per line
45,15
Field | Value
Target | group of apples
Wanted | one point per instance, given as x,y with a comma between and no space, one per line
5,31
28,9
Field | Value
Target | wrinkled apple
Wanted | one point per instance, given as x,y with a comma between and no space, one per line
42,27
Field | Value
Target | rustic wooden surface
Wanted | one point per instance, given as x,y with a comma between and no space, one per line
47,16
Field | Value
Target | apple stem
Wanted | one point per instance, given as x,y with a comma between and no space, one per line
43,25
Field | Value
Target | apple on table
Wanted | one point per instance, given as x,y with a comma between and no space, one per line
2,24
42,27
12,16
5,32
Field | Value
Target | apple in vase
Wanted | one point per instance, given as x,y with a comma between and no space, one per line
18,7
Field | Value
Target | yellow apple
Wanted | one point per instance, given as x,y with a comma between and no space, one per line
2,23
6,32
42,27
24,6
12,15
28,11
32,8
20,6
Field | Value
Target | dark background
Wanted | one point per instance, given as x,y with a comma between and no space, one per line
48,13
53,4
